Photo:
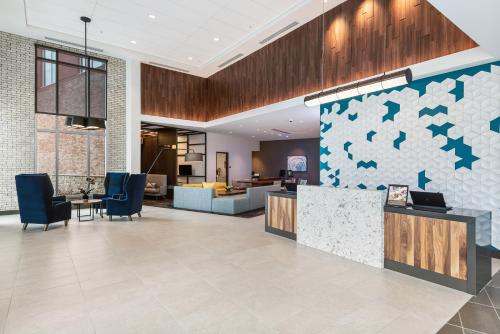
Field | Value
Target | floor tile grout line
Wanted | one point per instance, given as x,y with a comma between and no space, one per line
475,331
476,303
491,301
461,323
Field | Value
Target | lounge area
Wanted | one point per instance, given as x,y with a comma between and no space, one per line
206,199
249,167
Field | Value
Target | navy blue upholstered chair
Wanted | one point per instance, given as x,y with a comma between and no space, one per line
131,201
114,184
36,202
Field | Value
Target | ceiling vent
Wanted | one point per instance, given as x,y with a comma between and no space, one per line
239,55
169,67
281,131
60,41
279,32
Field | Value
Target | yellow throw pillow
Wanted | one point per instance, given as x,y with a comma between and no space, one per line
220,185
193,185
214,185
208,184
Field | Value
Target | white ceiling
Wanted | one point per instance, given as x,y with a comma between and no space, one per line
180,35
478,19
299,121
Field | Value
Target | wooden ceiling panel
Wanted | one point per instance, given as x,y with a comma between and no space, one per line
362,38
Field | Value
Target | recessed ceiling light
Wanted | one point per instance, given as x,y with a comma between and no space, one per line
190,58
133,42
253,136
230,132
152,17
216,39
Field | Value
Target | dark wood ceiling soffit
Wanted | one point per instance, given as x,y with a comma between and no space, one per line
362,38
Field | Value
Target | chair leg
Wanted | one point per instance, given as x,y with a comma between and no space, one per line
46,227
110,218
25,225
66,222
130,218
139,214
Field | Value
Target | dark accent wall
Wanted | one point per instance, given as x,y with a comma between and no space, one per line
167,163
362,38
273,156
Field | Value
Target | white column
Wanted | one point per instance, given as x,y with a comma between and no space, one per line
133,116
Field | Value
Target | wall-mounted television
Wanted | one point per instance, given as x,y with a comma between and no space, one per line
185,170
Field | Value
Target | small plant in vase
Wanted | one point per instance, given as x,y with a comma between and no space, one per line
86,191
229,188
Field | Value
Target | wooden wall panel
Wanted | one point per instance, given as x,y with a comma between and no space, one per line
173,94
362,38
431,244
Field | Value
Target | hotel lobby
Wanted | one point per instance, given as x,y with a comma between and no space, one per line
249,166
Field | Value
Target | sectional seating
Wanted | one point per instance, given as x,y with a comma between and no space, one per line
253,199
204,199
193,198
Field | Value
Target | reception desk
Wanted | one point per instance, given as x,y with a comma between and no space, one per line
443,248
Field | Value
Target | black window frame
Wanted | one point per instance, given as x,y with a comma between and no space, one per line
88,68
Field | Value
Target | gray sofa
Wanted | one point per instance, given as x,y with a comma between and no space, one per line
158,186
203,199
199,199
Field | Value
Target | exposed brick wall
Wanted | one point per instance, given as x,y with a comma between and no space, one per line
17,117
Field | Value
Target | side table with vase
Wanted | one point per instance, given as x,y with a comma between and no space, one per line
92,204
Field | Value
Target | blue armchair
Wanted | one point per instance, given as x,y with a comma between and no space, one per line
114,184
131,201
36,202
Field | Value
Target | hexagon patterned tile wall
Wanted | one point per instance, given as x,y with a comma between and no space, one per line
440,133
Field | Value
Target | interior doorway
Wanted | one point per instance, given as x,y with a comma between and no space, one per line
221,167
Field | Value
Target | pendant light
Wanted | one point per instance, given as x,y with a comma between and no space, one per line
79,122
382,82
193,156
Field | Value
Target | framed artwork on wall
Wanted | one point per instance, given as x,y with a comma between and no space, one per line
397,195
297,163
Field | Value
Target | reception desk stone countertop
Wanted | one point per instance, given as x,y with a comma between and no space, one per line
344,222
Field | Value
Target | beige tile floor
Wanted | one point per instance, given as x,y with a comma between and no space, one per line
185,272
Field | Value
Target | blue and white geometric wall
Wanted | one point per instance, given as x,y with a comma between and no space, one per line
440,133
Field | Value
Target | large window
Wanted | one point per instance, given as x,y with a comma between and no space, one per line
70,84
69,155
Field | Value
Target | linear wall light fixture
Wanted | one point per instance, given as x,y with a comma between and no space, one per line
384,81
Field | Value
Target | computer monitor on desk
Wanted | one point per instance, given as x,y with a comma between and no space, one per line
428,201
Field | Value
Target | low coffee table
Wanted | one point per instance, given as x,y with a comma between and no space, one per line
232,192
92,203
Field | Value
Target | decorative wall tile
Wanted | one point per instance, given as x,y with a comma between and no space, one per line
440,133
